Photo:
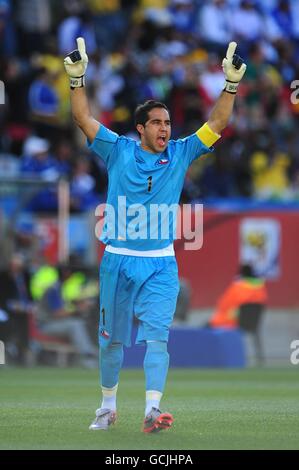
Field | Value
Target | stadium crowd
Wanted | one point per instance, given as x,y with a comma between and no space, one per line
169,50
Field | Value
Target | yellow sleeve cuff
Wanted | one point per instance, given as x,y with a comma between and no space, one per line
207,136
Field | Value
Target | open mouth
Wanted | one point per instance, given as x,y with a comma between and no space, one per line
162,140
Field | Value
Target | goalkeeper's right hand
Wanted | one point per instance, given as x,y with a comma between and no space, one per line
233,68
75,65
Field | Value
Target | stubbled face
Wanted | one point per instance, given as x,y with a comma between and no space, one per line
155,134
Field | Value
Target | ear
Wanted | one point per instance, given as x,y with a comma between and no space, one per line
140,128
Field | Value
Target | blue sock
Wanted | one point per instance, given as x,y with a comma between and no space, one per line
111,360
156,362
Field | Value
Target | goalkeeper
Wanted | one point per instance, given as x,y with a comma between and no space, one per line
138,276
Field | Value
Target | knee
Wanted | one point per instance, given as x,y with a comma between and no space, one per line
157,346
156,352
113,354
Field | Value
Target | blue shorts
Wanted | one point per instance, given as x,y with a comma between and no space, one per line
144,287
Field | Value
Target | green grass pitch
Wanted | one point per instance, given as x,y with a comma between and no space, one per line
49,408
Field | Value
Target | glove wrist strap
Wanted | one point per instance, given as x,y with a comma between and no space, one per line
231,87
77,82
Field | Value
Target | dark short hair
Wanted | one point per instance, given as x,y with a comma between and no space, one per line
142,110
246,270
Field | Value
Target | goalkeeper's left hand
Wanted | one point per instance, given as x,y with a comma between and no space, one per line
233,68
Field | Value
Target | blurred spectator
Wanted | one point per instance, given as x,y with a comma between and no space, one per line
34,22
83,195
283,20
183,15
17,78
74,26
37,160
38,164
7,31
110,22
247,23
26,240
51,61
64,155
215,25
106,79
270,180
9,166
184,301
211,80
246,289
44,104
57,319
217,178
295,186
16,306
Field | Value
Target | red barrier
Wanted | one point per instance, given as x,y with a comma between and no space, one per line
210,269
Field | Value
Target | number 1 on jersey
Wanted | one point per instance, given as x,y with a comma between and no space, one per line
149,184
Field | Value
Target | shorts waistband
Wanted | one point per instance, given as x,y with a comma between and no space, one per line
168,251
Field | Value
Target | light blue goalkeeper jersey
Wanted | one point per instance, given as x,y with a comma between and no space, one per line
143,189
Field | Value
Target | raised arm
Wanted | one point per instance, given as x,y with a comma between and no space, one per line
234,69
75,65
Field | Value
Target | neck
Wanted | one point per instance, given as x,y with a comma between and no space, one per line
147,148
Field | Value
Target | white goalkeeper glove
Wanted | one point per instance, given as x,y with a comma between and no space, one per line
75,65
233,68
